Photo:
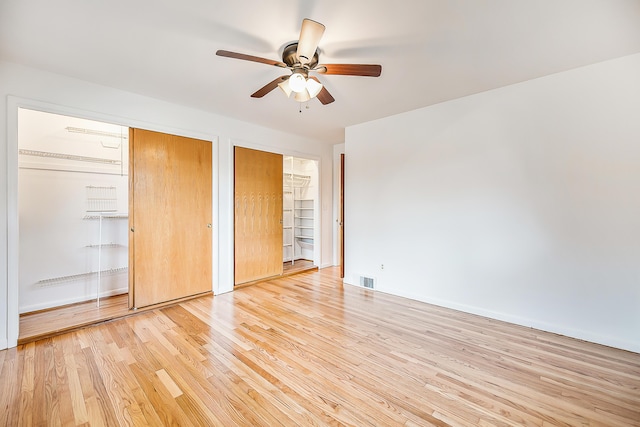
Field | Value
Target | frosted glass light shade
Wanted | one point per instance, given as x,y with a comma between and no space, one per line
297,82
302,96
313,87
285,87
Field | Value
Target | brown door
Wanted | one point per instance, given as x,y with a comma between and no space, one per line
258,215
341,217
169,217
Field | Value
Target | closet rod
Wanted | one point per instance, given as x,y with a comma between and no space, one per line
96,132
49,154
72,171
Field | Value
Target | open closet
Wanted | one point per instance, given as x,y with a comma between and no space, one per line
73,210
275,220
299,210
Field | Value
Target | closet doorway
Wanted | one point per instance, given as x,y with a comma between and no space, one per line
275,215
300,237
72,210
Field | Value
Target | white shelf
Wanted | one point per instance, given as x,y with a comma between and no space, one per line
107,245
107,216
48,282
68,157
298,207
295,180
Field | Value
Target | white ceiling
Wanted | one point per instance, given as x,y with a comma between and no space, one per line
430,50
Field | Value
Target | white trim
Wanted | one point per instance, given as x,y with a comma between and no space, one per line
225,218
215,232
13,315
237,142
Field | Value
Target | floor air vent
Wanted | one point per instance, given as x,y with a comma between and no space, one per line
367,282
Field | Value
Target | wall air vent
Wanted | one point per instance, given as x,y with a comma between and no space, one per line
367,282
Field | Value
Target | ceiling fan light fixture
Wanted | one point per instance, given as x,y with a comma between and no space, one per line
302,57
313,87
297,82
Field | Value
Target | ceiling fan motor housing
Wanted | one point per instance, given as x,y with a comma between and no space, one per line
290,57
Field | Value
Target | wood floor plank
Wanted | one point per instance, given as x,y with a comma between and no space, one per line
11,377
65,407
307,350
100,397
45,385
69,349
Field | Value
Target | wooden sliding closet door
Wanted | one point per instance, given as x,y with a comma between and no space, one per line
258,215
169,217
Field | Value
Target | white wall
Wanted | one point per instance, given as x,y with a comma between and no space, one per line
54,239
521,203
32,88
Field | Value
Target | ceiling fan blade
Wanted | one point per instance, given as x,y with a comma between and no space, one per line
268,87
310,35
324,96
350,69
252,58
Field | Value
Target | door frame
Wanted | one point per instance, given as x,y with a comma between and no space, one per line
341,217
16,102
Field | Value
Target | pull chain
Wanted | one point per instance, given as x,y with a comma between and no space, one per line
306,107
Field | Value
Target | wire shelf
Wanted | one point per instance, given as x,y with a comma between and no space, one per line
53,281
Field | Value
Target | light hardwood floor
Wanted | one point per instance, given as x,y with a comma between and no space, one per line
48,323
304,350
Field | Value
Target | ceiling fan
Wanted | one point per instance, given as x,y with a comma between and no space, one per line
301,58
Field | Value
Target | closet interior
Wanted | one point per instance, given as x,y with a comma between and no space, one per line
72,210
300,218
